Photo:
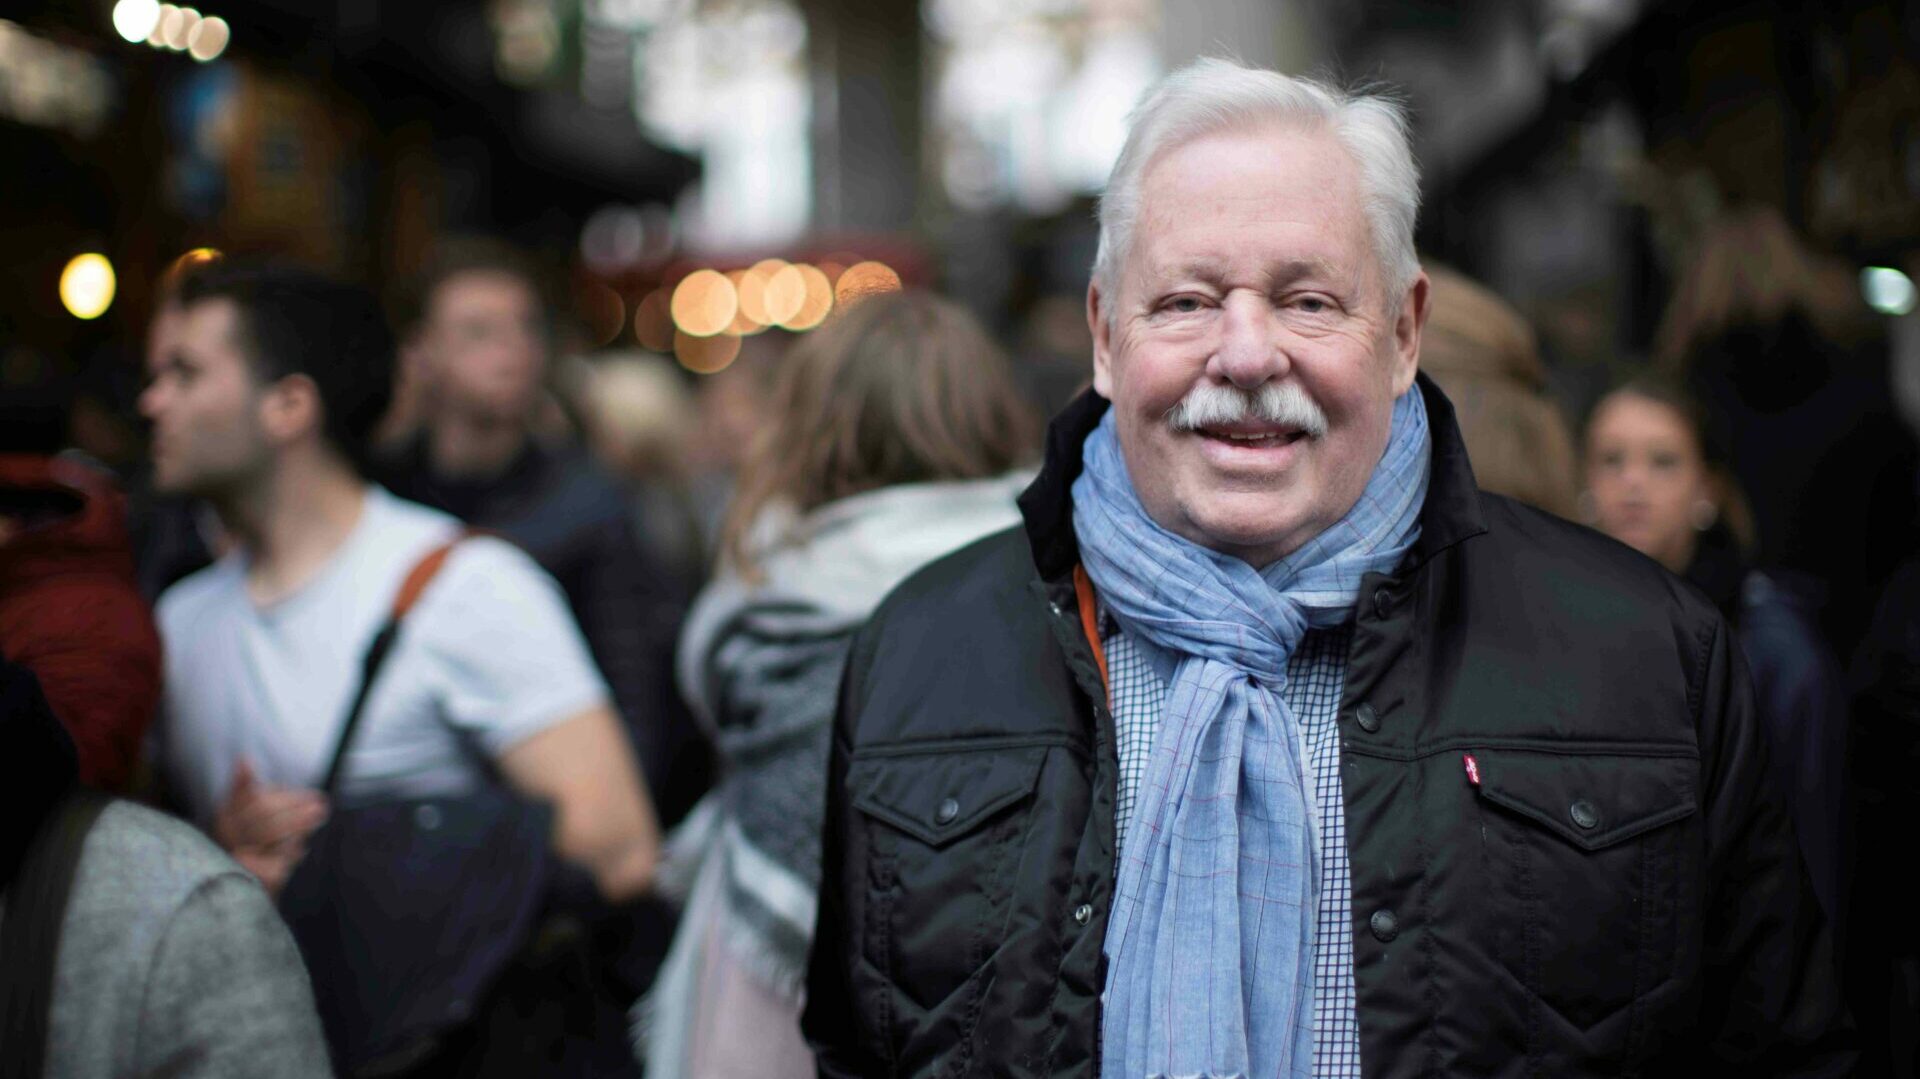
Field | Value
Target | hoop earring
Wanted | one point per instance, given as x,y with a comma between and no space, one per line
1702,514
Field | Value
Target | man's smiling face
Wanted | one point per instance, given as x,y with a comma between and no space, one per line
1252,267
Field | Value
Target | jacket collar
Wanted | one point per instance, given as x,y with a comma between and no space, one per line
1453,511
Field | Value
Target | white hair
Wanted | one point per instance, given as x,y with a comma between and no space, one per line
1212,95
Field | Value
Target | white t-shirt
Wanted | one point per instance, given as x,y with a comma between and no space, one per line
490,649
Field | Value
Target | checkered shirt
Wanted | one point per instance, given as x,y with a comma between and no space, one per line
1316,674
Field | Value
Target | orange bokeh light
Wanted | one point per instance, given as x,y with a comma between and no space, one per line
786,293
704,303
186,264
653,322
862,280
603,312
816,301
705,355
750,318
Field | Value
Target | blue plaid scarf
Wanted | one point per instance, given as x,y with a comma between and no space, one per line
1210,947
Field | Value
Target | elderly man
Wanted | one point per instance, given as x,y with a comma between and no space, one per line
1271,745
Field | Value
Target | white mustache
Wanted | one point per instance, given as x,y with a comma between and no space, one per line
1283,404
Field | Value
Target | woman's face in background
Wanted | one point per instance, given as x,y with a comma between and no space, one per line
1645,473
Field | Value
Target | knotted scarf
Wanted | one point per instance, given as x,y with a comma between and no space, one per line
1210,945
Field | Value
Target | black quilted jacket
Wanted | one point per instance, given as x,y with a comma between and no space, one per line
1619,894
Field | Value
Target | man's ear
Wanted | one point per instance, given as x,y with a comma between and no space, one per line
1102,341
290,409
1407,326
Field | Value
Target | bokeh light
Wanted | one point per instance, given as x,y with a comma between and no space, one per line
613,239
189,262
87,285
786,292
705,355
704,303
163,26
816,302
653,323
1887,290
208,38
752,292
863,280
602,311
135,19
177,26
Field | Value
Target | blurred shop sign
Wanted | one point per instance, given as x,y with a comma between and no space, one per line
47,84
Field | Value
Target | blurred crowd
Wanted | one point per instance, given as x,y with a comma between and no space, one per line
508,670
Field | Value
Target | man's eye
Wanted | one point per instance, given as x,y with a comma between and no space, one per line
1313,305
1184,305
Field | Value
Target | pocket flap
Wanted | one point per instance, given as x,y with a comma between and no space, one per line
938,796
1590,800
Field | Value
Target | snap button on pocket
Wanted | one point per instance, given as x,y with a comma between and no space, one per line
1083,913
1365,716
1384,925
948,810
1584,815
427,817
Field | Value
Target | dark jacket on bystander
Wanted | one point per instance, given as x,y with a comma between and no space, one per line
567,512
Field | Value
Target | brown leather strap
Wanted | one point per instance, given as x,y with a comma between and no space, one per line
422,575
1090,625
415,584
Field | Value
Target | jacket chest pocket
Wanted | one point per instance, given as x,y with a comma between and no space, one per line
944,830
1588,872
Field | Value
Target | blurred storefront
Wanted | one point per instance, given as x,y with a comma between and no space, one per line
347,136
1572,148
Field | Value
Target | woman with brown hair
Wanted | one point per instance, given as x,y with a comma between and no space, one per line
896,430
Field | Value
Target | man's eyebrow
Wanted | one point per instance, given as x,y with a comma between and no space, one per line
1206,268
1310,266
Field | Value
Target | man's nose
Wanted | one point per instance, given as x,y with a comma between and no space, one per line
1249,352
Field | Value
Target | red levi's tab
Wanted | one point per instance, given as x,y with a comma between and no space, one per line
1473,769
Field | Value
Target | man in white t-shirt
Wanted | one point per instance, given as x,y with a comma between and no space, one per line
263,406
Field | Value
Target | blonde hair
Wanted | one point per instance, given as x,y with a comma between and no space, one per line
638,405
901,388
1485,357
1751,270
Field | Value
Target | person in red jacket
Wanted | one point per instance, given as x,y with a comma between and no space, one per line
71,612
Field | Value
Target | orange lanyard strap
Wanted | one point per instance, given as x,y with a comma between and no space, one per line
1090,625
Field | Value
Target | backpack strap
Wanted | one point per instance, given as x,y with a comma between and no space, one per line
411,589
30,931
